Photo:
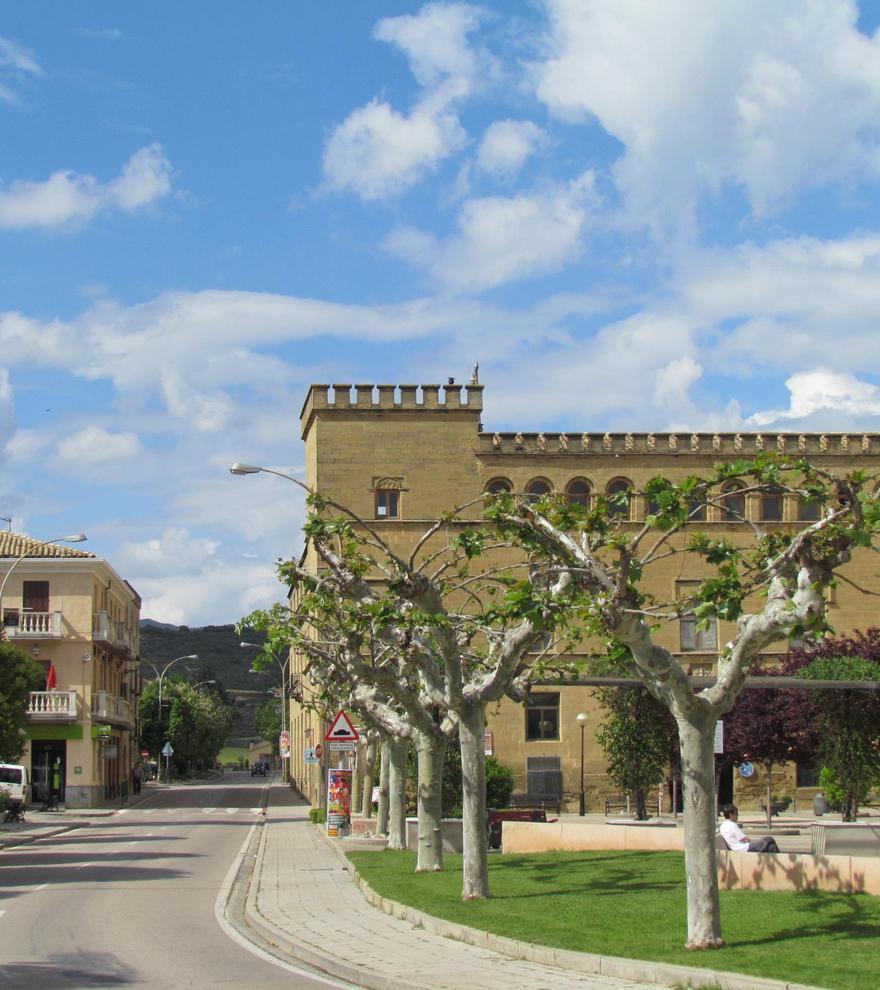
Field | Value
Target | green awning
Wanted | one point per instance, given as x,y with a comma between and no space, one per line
54,731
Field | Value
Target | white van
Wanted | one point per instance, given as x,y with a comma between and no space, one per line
14,782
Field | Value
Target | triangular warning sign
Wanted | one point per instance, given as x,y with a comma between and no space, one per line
341,729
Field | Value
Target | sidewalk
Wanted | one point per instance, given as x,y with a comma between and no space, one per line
304,897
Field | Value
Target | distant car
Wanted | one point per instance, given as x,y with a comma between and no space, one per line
260,768
14,782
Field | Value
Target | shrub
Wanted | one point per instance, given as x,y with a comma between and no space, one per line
317,816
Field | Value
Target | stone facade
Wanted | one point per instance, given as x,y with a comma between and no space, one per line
402,455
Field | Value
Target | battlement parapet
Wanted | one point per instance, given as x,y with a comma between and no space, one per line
366,397
728,444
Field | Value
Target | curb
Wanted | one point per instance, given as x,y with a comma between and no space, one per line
643,971
305,953
8,839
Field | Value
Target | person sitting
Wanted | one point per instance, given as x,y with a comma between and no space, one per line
737,840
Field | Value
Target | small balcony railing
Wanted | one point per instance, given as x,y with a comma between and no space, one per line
48,706
35,625
112,631
108,707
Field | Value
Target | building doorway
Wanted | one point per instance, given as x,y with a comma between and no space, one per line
48,770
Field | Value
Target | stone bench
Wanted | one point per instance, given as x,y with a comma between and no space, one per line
799,871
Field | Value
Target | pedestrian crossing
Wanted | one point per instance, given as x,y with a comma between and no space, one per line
158,812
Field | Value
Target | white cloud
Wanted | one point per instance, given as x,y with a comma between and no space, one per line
16,64
174,549
673,382
94,447
378,151
435,41
825,391
771,98
67,198
503,238
507,144
7,411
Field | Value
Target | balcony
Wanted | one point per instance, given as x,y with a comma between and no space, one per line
52,706
35,625
107,707
111,631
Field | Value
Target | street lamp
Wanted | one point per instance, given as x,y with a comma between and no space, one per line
76,538
203,682
282,667
253,469
581,720
160,676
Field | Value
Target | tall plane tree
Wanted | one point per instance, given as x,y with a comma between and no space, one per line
771,586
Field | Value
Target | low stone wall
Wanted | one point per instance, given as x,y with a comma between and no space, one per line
799,871
736,870
535,837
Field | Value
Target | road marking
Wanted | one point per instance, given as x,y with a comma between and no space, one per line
231,811
82,866
133,842
2,913
209,810
42,886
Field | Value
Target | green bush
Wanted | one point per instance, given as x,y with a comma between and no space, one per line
834,792
317,816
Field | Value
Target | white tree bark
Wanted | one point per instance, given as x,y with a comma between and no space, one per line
397,752
369,776
430,748
475,870
382,813
696,736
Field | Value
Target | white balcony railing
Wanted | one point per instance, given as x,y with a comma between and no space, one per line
108,707
49,705
107,630
42,625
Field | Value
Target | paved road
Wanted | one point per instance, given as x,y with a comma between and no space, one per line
131,900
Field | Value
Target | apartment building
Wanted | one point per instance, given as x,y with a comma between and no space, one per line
79,620
400,456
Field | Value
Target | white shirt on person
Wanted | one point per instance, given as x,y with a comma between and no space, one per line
733,835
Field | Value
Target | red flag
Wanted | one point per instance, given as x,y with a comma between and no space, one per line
51,678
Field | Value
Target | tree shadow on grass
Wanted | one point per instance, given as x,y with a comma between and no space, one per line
858,922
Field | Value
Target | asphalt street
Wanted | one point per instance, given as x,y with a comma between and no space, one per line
139,899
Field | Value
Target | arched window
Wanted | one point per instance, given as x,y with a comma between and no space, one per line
771,505
696,510
499,486
733,504
538,488
618,506
578,492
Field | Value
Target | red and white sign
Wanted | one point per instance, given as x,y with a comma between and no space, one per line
319,751
341,729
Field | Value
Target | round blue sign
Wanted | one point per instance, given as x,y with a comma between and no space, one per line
746,770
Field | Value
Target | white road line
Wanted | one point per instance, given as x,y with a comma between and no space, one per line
231,811
42,886
82,866
2,913
209,810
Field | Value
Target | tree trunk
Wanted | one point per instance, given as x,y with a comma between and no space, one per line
369,776
475,869
640,796
384,775
357,772
430,802
701,871
397,752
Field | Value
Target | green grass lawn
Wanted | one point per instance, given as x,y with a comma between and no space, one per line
633,904
232,754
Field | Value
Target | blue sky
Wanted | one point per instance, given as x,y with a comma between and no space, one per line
634,215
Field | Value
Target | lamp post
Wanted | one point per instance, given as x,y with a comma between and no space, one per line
76,538
283,668
582,722
203,682
160,676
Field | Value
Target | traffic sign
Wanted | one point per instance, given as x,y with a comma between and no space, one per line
319,751
310,756
347,745
168,749
341,729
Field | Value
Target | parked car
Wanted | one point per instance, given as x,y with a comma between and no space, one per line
14,784
259,768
